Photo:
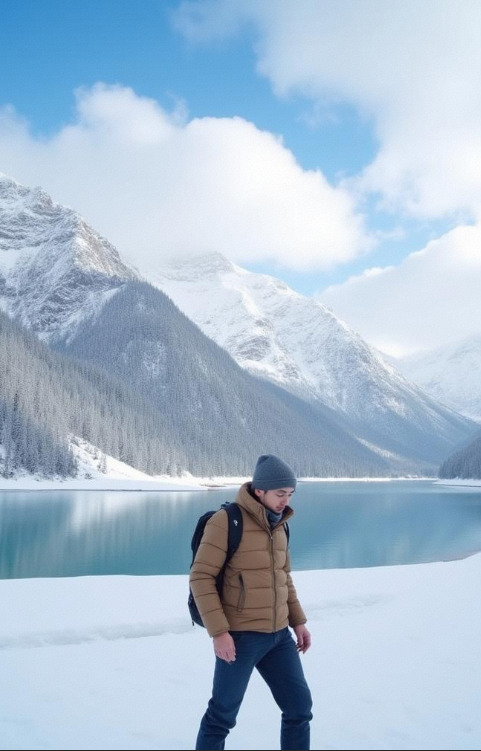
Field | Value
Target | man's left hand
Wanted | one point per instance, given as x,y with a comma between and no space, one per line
303,638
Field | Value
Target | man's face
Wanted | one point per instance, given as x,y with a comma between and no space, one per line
275,500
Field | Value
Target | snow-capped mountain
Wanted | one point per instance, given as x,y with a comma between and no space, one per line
450,374
66,283
60,278
215,414
54,269
298,343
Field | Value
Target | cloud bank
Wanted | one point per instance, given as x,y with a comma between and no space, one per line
158,185
412,68
431,298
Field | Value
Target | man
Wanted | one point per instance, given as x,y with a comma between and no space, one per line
250,622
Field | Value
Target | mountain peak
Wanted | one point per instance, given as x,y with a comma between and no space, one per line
53,266
299,344
11,191
192,265
449,374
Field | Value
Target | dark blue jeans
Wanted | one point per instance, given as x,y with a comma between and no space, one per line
276,658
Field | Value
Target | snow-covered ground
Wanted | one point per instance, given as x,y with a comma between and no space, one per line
463,483
114,663
99,471
362,479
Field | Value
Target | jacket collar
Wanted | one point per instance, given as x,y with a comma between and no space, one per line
256,509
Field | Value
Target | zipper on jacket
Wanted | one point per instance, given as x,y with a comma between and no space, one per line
242,595
273,582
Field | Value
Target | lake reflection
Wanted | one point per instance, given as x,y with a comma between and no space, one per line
337,525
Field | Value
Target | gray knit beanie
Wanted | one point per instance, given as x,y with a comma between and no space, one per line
272,473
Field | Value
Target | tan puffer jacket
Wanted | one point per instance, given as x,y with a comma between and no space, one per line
258,592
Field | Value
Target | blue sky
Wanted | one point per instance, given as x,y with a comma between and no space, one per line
335,103
51,47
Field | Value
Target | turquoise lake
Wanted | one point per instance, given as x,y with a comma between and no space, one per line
336,525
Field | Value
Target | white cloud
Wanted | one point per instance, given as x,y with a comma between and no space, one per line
156,185
430,299
412,67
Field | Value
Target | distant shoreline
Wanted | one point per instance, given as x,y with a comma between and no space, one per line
457,482
191,484
114,485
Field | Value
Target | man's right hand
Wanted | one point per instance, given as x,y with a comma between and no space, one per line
224,647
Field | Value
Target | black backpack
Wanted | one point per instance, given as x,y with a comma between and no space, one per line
234,536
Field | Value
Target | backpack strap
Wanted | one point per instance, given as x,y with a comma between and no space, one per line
288,532
234,529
